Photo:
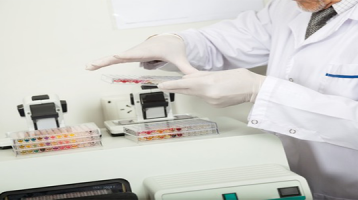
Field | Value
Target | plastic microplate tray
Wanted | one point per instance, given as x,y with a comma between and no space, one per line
170,129
143,80
58,139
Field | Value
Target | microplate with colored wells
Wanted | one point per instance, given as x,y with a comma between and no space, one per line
141,80
57,139
170,130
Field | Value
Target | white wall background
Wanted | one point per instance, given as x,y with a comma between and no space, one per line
45,44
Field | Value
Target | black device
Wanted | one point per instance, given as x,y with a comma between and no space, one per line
118,189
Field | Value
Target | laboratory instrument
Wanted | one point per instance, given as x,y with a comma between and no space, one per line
47,131
150,105
105,189
43,111
250,182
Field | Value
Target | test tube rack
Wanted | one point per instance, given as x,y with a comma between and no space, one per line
170,130
142,80
57,139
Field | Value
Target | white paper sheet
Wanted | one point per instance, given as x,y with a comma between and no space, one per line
142,13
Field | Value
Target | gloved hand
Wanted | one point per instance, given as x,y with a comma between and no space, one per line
219,88
168,48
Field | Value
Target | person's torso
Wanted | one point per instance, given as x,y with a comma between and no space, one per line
326,62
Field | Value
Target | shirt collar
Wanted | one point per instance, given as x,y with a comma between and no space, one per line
344,5
352,9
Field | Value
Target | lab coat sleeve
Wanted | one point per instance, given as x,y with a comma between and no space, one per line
243,42
287,108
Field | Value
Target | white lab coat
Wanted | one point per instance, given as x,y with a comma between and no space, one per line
314,114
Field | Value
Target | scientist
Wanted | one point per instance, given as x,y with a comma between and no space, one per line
309,96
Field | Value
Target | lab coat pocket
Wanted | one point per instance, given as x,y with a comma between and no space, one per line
341,80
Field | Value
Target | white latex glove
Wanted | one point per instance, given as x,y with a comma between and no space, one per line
167,47
219,88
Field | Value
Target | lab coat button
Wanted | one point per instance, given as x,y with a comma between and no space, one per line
292,131
290,79
254,122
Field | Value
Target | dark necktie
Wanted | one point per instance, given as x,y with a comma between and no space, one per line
319,19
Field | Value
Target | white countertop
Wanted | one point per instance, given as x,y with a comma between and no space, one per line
236,145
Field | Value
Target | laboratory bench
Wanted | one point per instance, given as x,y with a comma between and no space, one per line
237,145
